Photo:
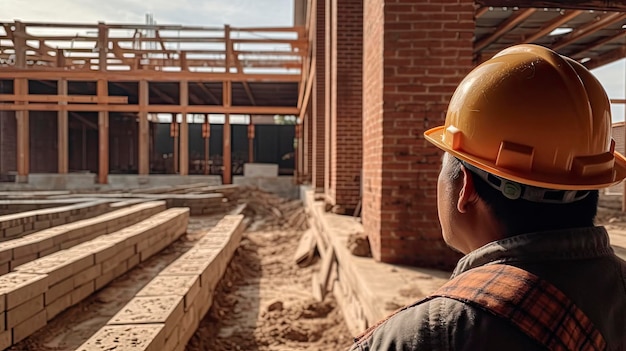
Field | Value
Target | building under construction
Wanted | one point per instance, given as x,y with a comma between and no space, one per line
362,80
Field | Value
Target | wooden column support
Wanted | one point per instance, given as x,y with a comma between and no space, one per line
184,129
227,100
23,135
144,129
62,130
103,136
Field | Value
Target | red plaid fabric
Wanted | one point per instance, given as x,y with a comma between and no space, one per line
535,306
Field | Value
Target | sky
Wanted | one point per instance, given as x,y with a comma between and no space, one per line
244,13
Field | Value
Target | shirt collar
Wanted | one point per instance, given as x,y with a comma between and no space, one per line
578,243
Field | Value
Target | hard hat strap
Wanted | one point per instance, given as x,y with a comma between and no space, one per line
514,190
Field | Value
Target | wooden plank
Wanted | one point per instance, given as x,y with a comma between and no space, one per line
184,130
151,76
306,249
144,125
103,137
63,130
328,260
244,110
64,98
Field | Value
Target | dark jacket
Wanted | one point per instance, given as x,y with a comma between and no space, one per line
580,263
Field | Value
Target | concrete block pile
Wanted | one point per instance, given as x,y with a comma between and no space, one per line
165,314
19,224
39,290
33,246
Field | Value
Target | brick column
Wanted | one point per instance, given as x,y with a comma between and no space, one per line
346,101
414,56
319,99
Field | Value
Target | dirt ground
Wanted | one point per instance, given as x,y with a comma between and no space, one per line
264,301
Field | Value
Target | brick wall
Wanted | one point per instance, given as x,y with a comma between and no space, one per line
319,101
8,142
346,103
426,50
43,142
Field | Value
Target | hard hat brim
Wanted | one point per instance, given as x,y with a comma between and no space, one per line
549,181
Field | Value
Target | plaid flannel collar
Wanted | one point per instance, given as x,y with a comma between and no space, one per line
579,243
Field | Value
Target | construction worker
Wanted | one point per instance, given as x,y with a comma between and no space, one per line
527,142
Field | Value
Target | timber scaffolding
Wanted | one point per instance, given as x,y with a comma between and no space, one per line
138,71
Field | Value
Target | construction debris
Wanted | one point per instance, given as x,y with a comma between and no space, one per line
359,245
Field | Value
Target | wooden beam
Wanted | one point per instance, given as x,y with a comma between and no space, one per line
511,22
206,145
600,5
84,120
209,93
144,126
481,12
23,134
19,44
184,130
63,130
241,110
103,46
587,29
555,23
227,101
64,98
596,44
131,76
103,136
606,58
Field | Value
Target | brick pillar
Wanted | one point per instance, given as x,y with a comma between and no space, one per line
319,99
414,56
346,101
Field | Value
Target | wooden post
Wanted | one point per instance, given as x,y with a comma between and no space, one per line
103,135
62,130
21,87
184,129
103,114
144,129
251,142
206,134
23,134
174,134
226,94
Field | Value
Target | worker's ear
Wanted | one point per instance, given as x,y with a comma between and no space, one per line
467,195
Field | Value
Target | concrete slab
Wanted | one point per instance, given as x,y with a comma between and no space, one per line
126,338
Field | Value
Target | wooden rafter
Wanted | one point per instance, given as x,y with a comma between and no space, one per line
604,59
588,29
209,93
481,12
239,67
596,44
600,5
555,23
508,24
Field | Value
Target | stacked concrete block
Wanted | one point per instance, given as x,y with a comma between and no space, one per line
30,247
150,337
39,290
178,298
22,309
200,204
19,224
24,205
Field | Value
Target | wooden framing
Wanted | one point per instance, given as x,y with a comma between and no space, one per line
141,55
600,5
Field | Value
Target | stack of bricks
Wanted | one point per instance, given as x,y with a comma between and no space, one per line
30,247
17,206
165,314
200,204
39,290
18,224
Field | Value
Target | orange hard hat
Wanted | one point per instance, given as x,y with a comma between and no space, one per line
534,117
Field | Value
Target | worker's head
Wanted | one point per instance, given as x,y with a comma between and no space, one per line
528,143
